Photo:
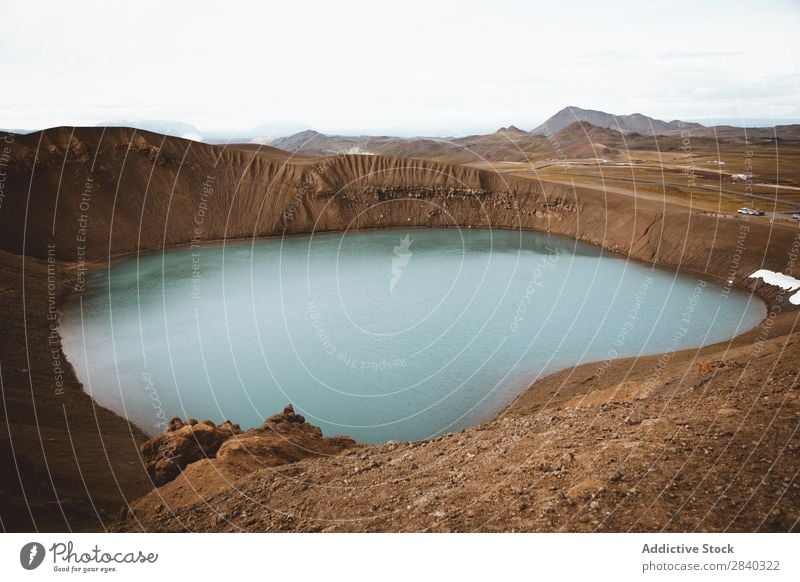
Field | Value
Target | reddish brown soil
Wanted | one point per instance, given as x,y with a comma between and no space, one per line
65,462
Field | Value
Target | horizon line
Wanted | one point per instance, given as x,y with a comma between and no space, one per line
741,122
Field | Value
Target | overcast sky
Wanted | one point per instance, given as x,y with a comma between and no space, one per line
411,67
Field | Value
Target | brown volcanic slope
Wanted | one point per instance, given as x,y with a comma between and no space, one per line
91,193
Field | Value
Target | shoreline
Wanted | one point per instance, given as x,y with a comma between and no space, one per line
100,265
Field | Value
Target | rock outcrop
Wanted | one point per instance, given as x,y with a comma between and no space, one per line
282,438
167,454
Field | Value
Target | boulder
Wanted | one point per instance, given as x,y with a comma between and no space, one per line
288,415
166,455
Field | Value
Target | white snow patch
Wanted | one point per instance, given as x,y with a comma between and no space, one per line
779,280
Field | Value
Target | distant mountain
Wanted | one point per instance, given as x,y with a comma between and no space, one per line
173,128
511,130
636,123
261,134
316,143
507,144
308,140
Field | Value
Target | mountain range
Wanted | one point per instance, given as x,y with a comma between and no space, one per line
595,133
579,139
634,123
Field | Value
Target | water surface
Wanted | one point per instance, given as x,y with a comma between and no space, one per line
378,335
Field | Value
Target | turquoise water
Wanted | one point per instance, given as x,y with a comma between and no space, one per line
378,335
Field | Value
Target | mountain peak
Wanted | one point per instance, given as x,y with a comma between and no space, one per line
297,141
306,134
511,129
634,123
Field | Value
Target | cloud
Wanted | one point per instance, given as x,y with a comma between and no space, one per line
423,73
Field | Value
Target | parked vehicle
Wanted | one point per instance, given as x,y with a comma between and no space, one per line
750,211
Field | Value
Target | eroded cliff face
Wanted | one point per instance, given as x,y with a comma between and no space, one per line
92,193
